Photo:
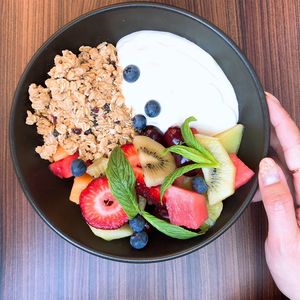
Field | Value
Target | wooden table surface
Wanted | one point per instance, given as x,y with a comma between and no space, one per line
35,263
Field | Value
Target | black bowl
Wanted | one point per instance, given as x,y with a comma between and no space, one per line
49,195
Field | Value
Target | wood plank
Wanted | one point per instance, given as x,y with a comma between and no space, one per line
37,264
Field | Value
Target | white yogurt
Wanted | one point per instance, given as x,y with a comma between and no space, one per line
182,77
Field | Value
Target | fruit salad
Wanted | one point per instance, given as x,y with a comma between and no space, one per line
132,176
174,182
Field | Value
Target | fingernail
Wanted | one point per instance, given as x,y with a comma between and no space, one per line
272,97
268,172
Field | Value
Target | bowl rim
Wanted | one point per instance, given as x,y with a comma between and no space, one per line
172,9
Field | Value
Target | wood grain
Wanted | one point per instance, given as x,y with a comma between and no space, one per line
37,264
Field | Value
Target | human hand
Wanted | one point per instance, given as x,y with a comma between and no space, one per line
282,245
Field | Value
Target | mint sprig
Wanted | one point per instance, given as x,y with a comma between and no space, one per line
192,142
171,230
122,182
177,173
191,154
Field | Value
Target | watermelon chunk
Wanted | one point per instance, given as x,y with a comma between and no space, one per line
186,208
243,173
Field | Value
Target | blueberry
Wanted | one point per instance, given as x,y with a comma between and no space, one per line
139,122
199,185
152,108
139,240
137,224
131,73
78,167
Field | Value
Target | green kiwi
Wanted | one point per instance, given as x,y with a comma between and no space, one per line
156,167
98,167
220,180
112,234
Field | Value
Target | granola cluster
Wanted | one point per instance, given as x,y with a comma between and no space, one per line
81,108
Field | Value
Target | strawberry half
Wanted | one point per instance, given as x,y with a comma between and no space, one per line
62,167
152,194
131,155
99,207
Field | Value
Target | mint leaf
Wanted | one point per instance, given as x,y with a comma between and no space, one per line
122,182
178,172
192,142
168,229
190,153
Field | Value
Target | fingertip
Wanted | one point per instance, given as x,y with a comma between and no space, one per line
277,199
268,172
271,98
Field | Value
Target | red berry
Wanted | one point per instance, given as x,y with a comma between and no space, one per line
152,194
173,136
139,176
154,133
62,167
131,155
180,160
194,130
99,207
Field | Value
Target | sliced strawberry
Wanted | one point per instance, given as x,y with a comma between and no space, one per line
99,207
139,176
152,194
62,167
243,173
186,208
131,155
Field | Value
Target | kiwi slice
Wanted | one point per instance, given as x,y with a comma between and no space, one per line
112,234
214,212
220,180
98,167
156,167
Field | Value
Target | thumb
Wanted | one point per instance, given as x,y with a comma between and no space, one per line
278,201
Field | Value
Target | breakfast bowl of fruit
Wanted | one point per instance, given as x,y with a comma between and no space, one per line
136,132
